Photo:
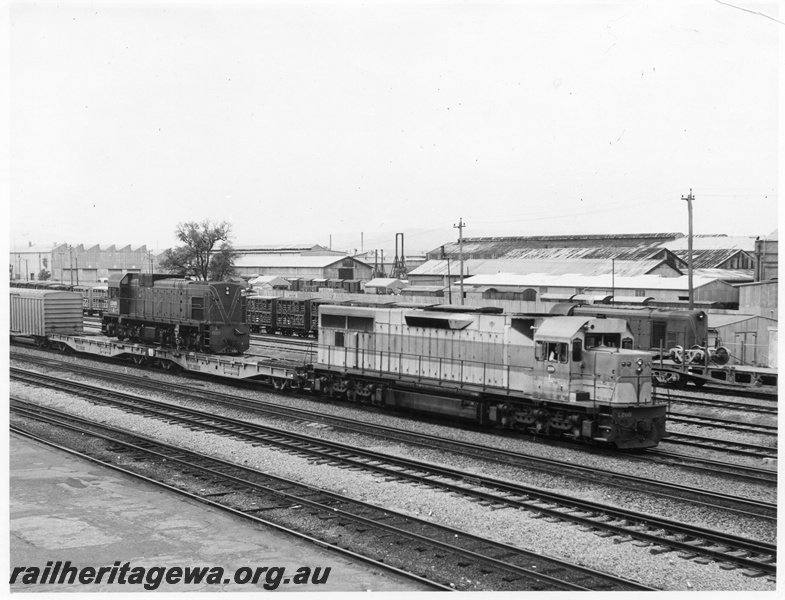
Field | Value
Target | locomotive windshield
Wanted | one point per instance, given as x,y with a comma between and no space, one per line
608,340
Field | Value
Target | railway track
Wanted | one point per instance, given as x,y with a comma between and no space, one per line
522,460
769,408
727,446
517,459
727,391
719,423
759,557
432,547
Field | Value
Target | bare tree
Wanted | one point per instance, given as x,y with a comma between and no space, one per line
207,251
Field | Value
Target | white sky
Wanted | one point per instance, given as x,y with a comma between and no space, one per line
296,122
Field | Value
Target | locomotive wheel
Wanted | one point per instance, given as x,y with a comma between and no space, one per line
698,383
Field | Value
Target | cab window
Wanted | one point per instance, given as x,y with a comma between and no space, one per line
609,340
577,351
551,351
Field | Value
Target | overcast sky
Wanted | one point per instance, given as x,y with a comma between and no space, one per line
306,123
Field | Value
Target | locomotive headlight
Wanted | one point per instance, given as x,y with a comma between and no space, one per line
227,290
640,362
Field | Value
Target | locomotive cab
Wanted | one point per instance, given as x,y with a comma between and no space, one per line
581,359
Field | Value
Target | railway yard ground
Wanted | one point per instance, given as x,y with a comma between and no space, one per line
559,516
64,508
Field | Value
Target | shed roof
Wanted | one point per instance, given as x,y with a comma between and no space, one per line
385,282
588,267
271,280
709,258
499,245
712,242
293,261
646,252
729,275
647,282
279,248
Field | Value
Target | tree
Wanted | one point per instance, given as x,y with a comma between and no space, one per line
43,275
199,257
222,263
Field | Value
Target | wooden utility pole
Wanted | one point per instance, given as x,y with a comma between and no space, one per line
460,227
689,200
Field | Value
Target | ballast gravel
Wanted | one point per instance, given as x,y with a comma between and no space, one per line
666,571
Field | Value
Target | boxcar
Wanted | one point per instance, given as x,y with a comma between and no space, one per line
38,313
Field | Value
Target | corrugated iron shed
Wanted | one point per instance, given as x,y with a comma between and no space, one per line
587,267
534,280
603,252
727,275
290,260
495,247
713,242
712,258
385,282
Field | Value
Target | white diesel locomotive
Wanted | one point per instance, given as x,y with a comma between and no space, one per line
577,376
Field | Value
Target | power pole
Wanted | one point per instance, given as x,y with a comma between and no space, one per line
613,279
460,227
689,200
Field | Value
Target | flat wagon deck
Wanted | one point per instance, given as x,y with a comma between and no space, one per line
279,373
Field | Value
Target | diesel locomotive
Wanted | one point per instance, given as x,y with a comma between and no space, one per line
568,375
655,329
202,316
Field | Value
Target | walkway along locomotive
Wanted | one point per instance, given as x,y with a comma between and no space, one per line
204,316
565,375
